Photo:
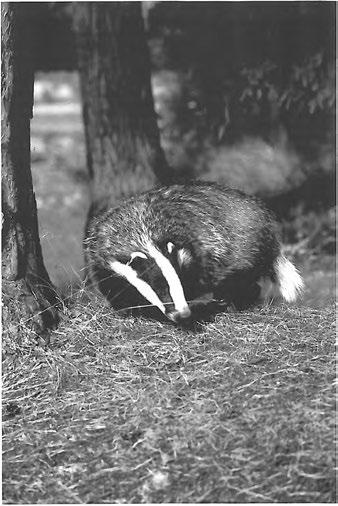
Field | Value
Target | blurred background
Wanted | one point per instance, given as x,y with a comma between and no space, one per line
244,93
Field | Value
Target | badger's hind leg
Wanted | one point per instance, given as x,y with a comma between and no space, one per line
268,289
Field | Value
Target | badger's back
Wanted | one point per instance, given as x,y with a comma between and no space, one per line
235,230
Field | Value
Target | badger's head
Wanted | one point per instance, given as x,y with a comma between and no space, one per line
154,271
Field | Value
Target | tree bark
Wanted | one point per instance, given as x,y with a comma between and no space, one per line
123,147
28,295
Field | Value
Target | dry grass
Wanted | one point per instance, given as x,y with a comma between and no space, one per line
127,410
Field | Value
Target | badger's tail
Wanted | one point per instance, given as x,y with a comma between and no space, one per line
288,280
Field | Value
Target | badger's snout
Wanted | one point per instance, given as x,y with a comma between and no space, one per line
179,316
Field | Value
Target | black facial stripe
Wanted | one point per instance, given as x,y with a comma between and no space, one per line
140,264
149,271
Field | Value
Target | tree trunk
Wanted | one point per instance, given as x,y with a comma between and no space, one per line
27,291
123,148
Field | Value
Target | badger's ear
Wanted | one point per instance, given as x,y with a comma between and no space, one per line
170,247
136,254
184,257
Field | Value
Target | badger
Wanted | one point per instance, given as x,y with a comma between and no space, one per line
172,245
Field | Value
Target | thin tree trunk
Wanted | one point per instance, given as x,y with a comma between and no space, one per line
27,291
123,147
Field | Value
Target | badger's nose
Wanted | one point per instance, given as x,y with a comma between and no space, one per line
179,316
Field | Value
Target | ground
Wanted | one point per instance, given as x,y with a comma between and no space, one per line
114,409
125,410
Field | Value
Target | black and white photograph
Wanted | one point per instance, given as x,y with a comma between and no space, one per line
168,252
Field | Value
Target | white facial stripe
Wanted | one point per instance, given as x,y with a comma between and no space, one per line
131,276
137,254
174,283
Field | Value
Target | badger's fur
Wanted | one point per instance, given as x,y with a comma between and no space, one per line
177,243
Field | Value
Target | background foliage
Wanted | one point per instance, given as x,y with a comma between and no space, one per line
249,65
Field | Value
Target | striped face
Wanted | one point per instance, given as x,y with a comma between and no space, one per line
152,273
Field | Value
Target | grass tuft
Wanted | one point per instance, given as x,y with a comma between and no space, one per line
117,409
